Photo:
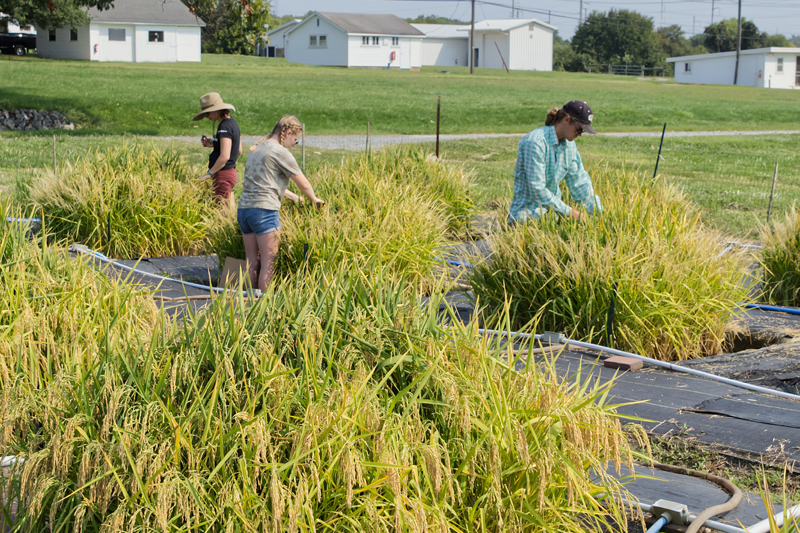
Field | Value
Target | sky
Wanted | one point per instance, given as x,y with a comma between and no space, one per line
771,16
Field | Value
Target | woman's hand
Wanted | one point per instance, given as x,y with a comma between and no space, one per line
578,215
208,142
319,203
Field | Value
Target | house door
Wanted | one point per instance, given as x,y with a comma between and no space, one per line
405,54
475,59
797,73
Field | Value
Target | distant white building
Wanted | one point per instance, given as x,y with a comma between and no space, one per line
516,44
444,45
160,31
276,40
354,40
775,68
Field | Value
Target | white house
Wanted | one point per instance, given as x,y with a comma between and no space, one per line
277,40
444,45
776,68
354,40
516,44
160,31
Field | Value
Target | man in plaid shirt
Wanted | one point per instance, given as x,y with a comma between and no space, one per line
547,156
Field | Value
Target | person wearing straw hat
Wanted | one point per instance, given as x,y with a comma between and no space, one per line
226,144
547,156
269,168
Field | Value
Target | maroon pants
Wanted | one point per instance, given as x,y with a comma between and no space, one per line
224,180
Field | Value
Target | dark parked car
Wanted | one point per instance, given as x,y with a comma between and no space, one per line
17,43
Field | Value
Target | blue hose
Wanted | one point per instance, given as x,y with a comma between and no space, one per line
656,527
789,310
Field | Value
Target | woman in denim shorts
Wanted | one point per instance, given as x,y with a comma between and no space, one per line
269,168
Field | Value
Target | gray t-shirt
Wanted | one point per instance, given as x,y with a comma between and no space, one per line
266,176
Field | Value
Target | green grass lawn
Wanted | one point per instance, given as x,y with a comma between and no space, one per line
160,99
728,177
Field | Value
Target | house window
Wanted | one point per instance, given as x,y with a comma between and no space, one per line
323,41
364,40
395,41
156,37
317,22
687,67
780,64
115,34
52,35
73,34
376,41
312,41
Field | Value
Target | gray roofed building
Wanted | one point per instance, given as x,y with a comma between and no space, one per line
371,24
172,12
158,31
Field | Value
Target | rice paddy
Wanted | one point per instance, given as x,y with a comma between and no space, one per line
342,399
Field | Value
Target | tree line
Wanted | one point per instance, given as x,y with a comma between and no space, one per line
622,37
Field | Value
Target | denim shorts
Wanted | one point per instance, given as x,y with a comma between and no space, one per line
258,221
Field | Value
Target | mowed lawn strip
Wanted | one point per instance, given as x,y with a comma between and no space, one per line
160,99
728,177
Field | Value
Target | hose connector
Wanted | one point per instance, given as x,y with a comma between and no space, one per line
675,513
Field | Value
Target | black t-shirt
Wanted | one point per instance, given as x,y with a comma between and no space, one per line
229,129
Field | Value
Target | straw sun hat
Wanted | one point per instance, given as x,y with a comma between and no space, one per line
211,102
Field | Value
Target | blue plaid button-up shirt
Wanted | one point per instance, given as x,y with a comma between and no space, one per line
542,164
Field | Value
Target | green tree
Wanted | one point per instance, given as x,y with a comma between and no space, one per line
721,37
674,44
618,37
51,13
779,40
433,19
563,54
232,26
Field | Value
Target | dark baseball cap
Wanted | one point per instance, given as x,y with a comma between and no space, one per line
582,113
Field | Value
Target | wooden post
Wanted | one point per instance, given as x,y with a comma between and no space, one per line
774,179
738,45
304,147
366,150
438,114
472,41
55,168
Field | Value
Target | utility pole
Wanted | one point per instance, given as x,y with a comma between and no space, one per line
580,14
712,12
662,13
692,25
512,9
738,45
472,41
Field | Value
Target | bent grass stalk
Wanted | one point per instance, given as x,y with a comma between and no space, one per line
146,195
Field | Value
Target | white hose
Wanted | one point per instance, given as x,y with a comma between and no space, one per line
562,339
104,259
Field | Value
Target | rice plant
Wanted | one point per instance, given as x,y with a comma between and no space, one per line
675,296
127,201
780,259
392,208
336,403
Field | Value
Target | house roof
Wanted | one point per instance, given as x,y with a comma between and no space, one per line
284,27
164,12
754,51
508,24
442,31
369,24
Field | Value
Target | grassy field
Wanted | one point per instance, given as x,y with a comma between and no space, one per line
160,99
729,178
